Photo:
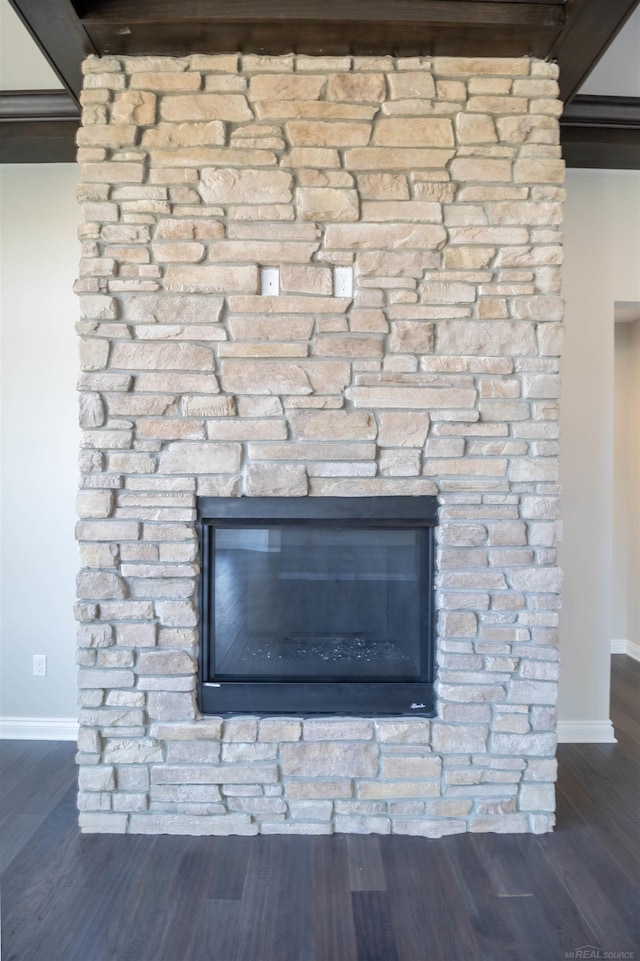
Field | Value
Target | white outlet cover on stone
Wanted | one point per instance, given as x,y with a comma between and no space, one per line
343,281
269,281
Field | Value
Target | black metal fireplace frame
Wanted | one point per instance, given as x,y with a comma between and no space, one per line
302,697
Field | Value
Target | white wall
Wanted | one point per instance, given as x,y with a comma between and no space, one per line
602,265
39,258
625,624
39,263
22,65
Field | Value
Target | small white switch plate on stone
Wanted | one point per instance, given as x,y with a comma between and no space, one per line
269,281
343,281
39,665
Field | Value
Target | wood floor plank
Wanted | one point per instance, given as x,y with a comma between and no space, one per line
629,746
595,883
615,836
74,889
276,920
23,794
624,720
375,934
547,931
496,938
16,831
538,907
626,690
231,858
606,802
183,901
294,928
148,908
506,864
626,665
47,935
419,906
40,865
17,755
257,919
366,872
97,930
334,926
215,931
601,775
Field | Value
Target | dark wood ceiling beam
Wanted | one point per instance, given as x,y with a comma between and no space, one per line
532,12
38,141
507,28
592,111
55,27
19,105
591,26
313,38
38,126
602,132
601,148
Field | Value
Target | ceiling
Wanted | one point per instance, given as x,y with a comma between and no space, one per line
595,42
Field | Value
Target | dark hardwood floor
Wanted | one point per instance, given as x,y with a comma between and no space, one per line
68,897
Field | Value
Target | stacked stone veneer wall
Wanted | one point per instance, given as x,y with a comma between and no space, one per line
440,181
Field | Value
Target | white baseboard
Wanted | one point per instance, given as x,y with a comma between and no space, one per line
586,732
621,645
38,728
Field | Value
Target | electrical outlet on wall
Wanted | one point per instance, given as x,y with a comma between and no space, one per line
269,281
343,281
39,665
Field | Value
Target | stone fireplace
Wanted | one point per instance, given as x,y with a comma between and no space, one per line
319,278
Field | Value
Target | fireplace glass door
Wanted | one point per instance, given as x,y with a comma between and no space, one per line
309,614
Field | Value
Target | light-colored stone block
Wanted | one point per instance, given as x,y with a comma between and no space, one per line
132,751
212,279
411,766
235,186
369,88
423,827
289,480
334,729
207,458
413,398
327,204
333,425
405,132
134,106
463,739
320,133
281,377
330,759
386,790
287,87
100,585
98,778
169,706
386,236
361,824
411,85
190,824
